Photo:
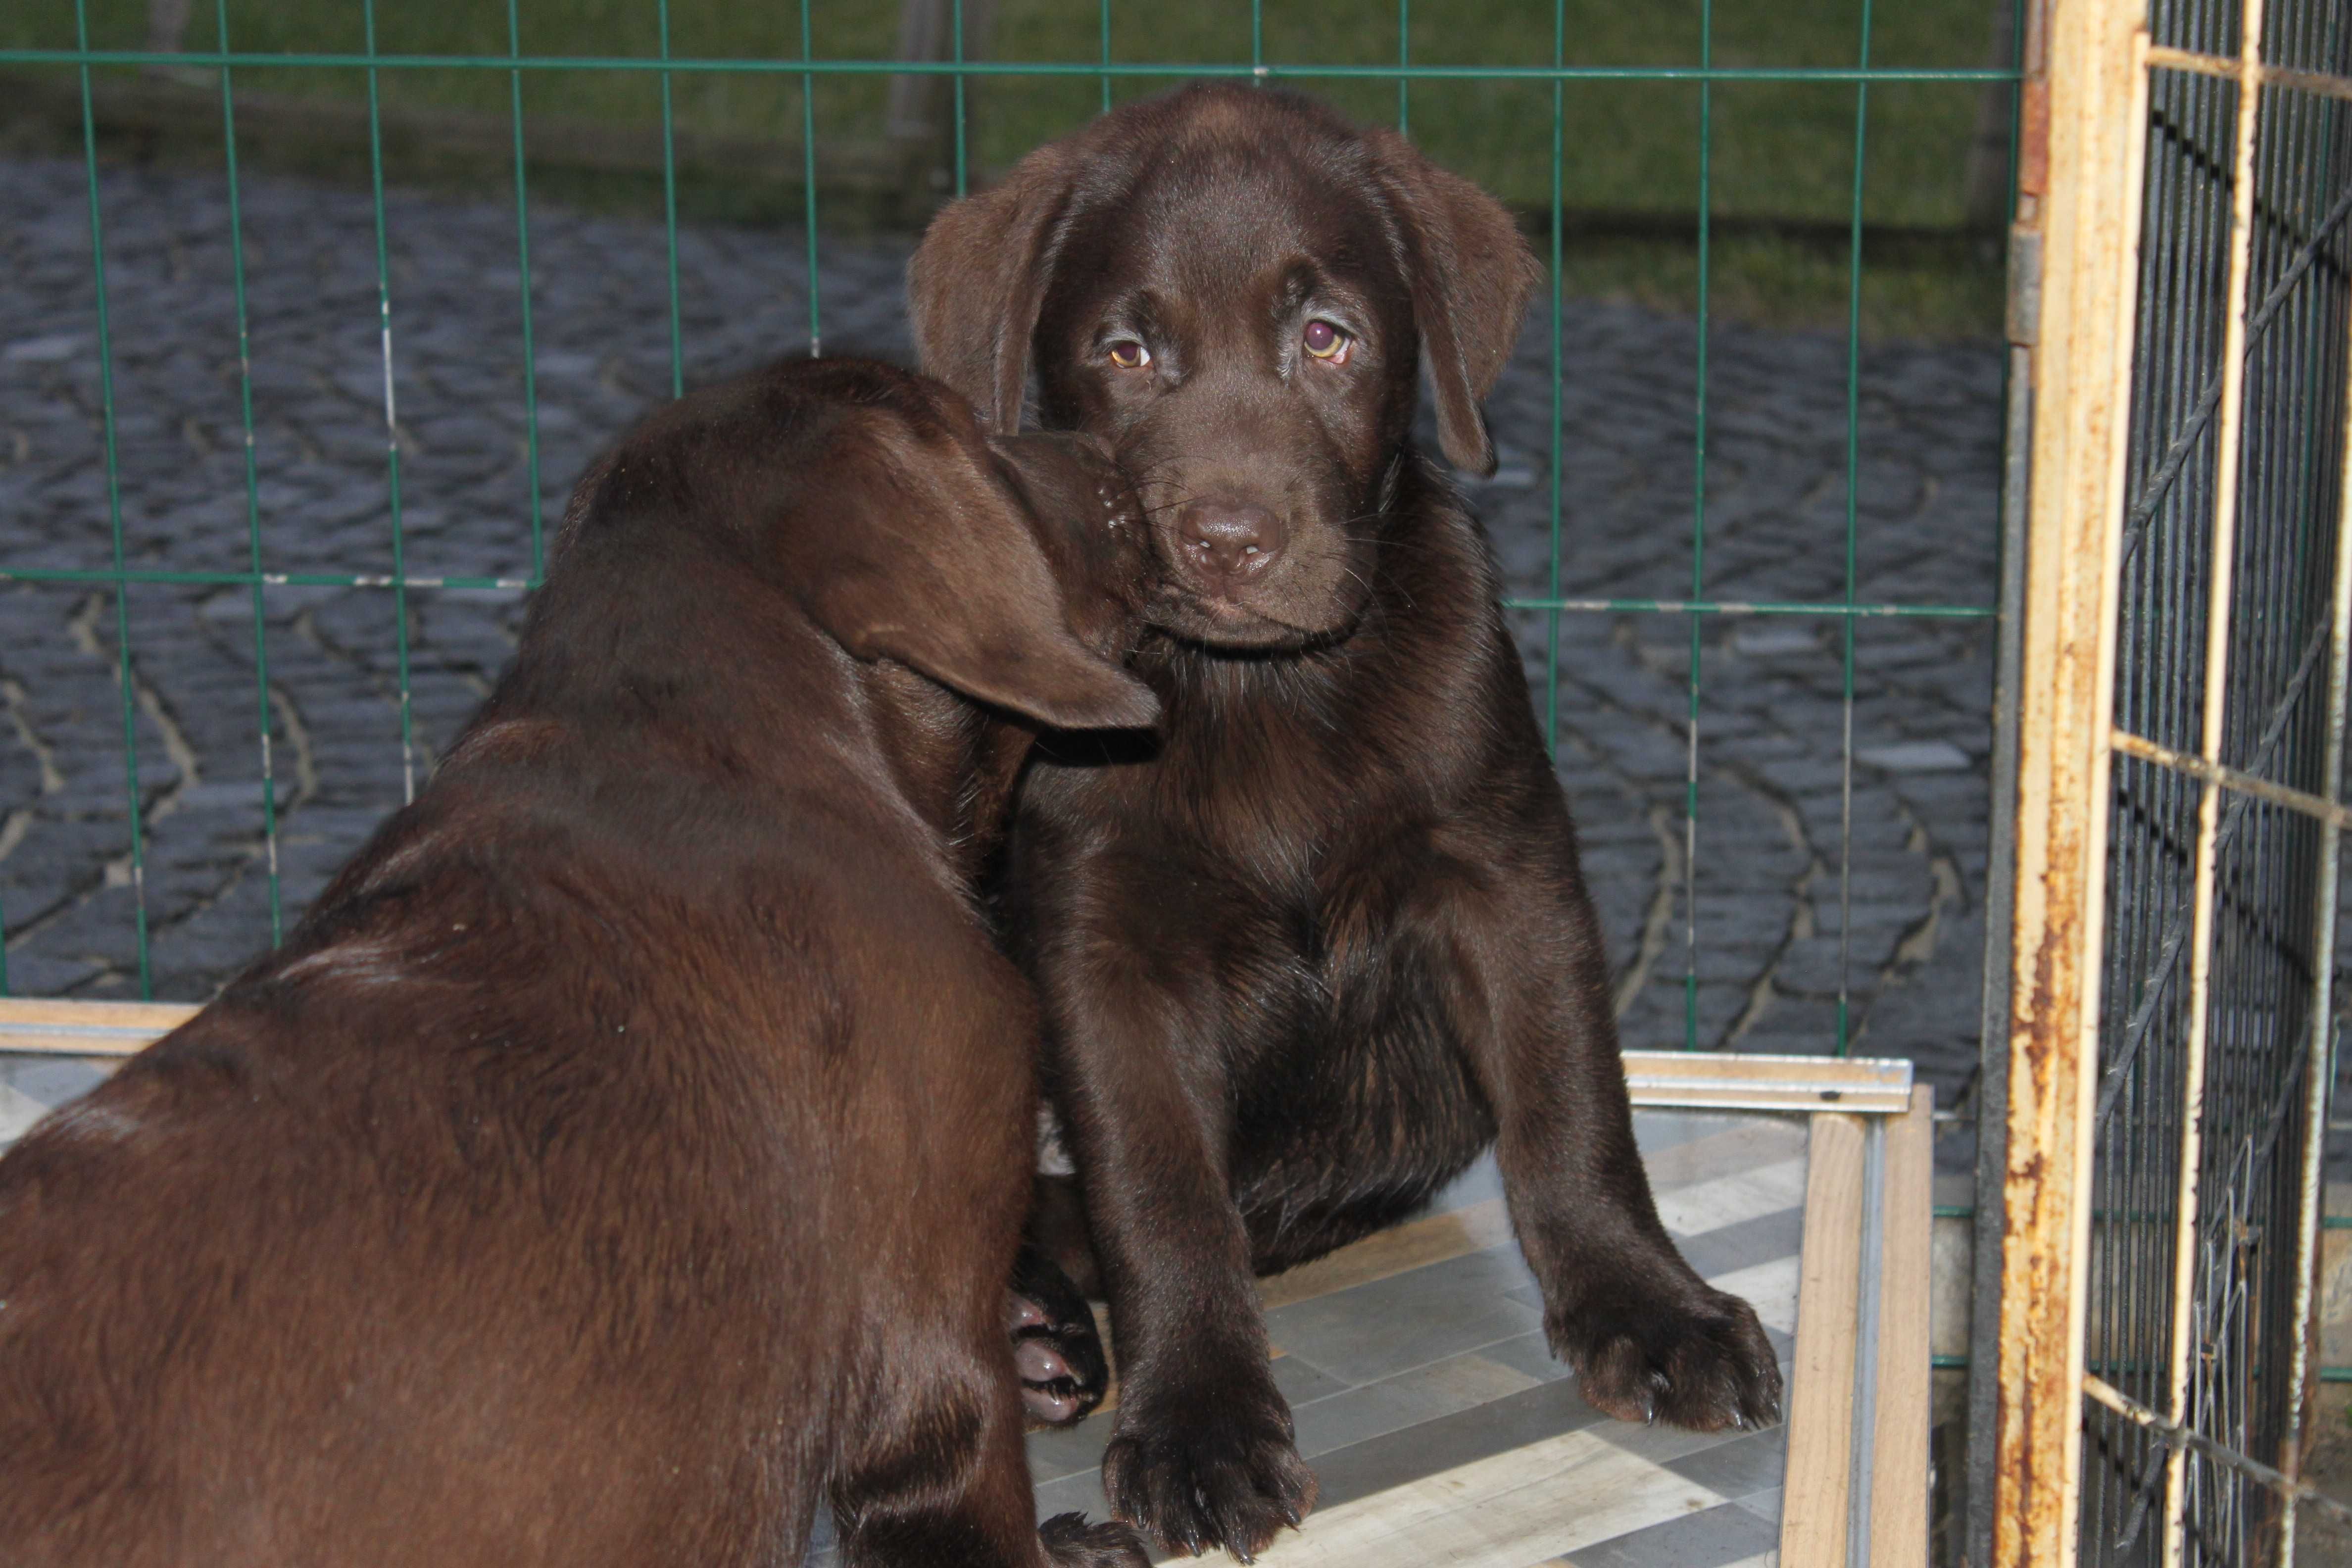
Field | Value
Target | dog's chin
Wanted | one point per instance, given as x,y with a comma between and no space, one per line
1217,623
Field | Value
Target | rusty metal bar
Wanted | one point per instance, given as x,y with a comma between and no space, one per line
2223,557
2086,117
2333,813
2164,57
2181,1440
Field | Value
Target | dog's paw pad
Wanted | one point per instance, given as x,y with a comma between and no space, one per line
1056,1353
1049,1390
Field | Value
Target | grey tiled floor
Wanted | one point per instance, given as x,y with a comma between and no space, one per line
1440,1428
1439,1425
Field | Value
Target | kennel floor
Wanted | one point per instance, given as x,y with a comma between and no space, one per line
1442,1430
1440,1426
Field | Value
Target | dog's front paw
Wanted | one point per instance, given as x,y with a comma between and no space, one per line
1222,1470
1064,1373
1700,1362
1071,1543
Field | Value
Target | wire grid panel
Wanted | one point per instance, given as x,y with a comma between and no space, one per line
410,589
2207,1084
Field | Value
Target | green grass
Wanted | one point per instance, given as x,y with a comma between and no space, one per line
1782,151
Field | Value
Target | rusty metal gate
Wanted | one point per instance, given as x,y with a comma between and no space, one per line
2182,247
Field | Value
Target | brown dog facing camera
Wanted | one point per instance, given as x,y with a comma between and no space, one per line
629,1149
1310,954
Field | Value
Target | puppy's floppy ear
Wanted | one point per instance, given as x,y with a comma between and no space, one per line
944,576
1471,275
977,278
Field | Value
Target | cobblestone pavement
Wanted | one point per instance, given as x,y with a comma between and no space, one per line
1781,854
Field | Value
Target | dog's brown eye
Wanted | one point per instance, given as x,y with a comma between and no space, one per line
1326,342
1129,354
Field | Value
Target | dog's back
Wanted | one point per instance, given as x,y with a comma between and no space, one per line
630,1144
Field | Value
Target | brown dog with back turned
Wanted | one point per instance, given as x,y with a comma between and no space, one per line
629,1149
1309,954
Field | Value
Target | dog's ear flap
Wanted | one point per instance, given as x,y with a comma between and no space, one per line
1473,273
954,585
977,281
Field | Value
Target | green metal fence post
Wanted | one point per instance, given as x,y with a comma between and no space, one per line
808,175
391,409
1551,582
963,153
522,260
1404,81
1852,514
1698,529
123,676
669,209
252,485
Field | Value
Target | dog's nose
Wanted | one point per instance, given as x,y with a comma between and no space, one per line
1230,540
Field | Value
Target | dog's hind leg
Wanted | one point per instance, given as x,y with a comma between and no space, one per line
937,1474
1064,1373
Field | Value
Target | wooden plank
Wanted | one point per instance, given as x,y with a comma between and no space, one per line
1821,1388
1899,1494
86,1028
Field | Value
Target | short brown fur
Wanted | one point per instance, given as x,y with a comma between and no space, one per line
1327,940
628,1151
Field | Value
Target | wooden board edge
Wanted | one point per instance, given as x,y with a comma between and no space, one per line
45,1027
1899,1478
1821,1384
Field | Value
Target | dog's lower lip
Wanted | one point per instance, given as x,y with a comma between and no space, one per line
1231,615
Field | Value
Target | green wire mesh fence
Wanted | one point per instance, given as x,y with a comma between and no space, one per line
1534,114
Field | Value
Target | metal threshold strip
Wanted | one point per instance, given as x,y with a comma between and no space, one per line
1678,1080
1707,1080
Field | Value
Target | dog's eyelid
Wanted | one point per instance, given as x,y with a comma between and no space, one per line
1339,312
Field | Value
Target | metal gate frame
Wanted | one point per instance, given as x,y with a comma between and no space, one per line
2075,258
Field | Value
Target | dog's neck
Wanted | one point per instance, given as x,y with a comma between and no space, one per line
953,762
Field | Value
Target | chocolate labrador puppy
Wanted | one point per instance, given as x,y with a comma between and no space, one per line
630,1148
1306,958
